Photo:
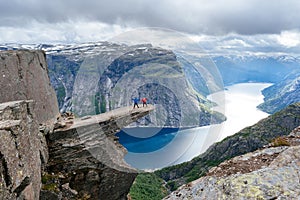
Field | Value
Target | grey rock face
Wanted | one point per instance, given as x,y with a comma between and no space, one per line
86,159
89,157
97,78
24,75
75,71
23,151
277,180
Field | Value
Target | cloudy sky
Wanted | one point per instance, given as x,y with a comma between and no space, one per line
229,24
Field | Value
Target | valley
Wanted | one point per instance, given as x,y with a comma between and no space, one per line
95,78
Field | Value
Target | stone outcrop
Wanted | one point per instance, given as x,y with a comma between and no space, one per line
89,159
23,151
269,173
24,75
85,158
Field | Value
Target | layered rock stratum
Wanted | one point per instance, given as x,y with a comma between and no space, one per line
23,151
24,75
45,155
86,156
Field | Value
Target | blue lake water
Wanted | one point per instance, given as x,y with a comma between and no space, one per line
146,144
169,146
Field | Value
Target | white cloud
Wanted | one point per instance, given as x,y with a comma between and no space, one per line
289,38
212,17
65,32
260,44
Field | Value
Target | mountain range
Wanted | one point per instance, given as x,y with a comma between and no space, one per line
95,78
88,79
98,77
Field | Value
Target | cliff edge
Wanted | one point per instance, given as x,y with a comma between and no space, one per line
44,155
24,75
86,156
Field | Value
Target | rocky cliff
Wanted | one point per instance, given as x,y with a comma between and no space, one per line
23,151
110,75
24,75
268,173
85,158
97,77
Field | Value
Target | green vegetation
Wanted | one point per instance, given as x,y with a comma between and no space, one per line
172,185
50,182
148,186
60,93
280,141
51,187
103,104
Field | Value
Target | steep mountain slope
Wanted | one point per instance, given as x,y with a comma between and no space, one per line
247,140
45,155
282,93
97,77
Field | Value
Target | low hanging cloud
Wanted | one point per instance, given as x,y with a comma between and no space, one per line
194,16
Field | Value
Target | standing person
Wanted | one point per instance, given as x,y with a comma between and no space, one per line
136,102
144,100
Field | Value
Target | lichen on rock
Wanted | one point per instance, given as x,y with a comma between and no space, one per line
278,178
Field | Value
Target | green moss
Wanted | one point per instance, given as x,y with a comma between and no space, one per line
50,182
46,178
51,187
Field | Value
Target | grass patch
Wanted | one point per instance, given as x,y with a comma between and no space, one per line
148,186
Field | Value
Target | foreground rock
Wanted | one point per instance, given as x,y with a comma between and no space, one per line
270,173
24,75
23,151
86,159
